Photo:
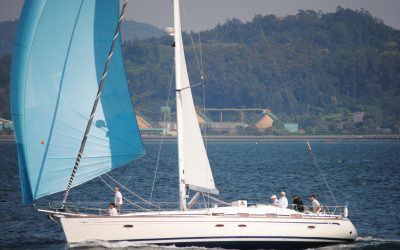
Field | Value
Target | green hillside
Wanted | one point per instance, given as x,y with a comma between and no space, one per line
312,68
131,30
7,33
327,66
5,62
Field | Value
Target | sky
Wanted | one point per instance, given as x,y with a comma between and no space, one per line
206,14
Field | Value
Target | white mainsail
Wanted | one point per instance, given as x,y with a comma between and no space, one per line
194,167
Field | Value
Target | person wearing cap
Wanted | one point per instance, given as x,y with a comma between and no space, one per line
283,202
274,200
316,207
117,199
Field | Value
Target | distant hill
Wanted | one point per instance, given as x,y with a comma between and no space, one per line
312,68
7,33
5,63
131,30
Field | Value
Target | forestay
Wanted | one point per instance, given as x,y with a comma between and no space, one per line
59,55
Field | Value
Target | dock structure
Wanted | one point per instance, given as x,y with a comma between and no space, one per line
143,121
6,127
240,110
202,117
264,119
2,120
146,126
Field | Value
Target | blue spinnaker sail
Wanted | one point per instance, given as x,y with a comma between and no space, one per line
59,56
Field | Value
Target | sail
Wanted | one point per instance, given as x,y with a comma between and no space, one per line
193,157
59,56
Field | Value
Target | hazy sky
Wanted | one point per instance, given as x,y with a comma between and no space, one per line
205,14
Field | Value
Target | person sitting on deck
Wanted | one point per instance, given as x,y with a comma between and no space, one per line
112,211
274,200
316,207
297,203
283,202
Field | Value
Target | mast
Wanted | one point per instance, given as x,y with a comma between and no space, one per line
179,64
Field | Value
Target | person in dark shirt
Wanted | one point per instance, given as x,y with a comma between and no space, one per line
297,203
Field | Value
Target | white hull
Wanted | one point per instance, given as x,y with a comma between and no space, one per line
245,229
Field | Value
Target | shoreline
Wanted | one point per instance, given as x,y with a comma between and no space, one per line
284,137
263,138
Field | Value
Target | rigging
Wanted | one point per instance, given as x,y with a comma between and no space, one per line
290,98
163,134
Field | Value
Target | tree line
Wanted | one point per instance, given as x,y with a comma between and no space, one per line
312,68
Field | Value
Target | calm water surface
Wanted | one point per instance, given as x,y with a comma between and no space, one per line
364,173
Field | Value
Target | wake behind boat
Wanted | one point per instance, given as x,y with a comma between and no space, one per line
69,73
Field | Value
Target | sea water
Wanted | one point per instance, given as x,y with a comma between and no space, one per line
363,174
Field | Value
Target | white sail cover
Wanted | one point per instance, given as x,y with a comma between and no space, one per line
193,158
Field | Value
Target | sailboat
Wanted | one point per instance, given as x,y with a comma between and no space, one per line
74,121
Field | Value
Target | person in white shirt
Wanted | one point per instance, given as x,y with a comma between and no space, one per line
274,200
118,199
112,211
316,207
283,202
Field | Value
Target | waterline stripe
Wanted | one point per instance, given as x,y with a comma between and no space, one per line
320,239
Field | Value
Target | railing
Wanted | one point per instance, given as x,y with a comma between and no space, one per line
102,208
325,210
335,210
